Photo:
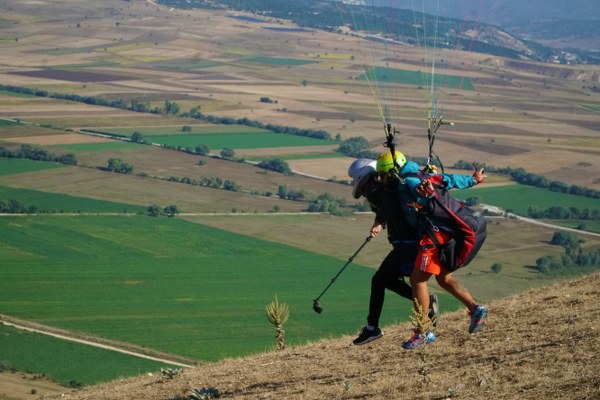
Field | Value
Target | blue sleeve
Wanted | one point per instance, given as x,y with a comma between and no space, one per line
412,182
458,181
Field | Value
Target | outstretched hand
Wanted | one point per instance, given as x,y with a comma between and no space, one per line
425,188
478,175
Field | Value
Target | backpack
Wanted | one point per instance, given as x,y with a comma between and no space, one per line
467,228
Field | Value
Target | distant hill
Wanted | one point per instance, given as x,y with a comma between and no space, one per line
542,344
555,23
508,28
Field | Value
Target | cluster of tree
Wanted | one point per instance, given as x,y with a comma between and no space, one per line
172,108
362,206
357,147
559,212
202,149
574,255
285,193
137,137
119,166
528,178
155,211
13,206
207,181
327,203
38,154
276,165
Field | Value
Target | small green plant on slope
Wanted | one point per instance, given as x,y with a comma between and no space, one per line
170,373
277,314
205,393
422,324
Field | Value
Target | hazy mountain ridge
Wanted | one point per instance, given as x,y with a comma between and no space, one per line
554,23
537,30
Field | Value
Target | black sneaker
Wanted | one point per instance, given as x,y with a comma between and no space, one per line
434,310
367,336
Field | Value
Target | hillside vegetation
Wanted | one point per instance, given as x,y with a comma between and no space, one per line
542,344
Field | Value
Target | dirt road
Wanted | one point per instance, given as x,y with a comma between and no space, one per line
31,327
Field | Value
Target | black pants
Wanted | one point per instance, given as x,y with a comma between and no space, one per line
390,276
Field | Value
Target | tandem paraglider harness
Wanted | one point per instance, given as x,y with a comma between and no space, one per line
467,228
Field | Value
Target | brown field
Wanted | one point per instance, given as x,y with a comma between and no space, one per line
520,113
69,138
17,385
543,118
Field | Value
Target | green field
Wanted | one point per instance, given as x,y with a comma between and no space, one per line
216,137
303,156
9,166
204,129
55,202
67,361
5,122
278,61
14,94
519,198
186,65
175,286
384,74
592,106
238,141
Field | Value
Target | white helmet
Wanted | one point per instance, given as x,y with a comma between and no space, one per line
360,170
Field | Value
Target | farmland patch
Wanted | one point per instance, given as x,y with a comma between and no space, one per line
486,146
67,362
384,74
238,141
73,76
59,139
8,122
277,61
56,202
104,145
9,166
14,94
226,278
204,129
520,197
193,64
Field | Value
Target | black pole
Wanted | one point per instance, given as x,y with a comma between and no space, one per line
316,306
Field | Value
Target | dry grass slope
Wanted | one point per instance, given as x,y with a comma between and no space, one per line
542,344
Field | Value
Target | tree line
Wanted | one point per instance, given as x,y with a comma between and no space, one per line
30,152
171,108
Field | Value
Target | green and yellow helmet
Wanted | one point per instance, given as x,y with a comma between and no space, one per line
385,162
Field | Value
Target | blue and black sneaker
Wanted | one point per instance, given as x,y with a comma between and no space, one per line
418,340
478,316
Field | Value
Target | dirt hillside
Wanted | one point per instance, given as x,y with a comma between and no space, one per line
543,344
